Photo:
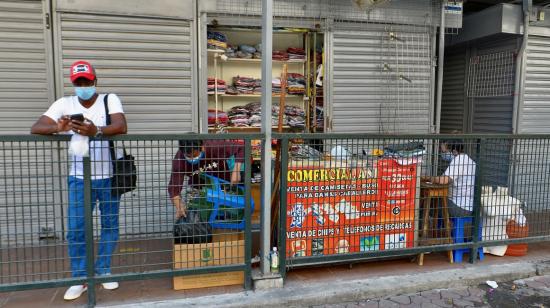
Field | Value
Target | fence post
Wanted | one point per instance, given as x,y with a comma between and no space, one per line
480,152
282,207
89,231
247,214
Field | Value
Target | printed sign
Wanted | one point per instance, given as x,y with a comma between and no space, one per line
343,210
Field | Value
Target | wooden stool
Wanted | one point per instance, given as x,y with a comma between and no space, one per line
435,191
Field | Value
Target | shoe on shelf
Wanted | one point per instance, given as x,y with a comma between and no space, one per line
75,292
110,285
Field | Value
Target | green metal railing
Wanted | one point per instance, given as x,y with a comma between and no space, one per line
33,193
520,163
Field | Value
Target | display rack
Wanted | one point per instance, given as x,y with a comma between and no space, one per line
223,68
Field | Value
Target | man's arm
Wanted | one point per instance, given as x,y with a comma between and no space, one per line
181,207
175,186
442,179
118,125
236,150
47,126
236,173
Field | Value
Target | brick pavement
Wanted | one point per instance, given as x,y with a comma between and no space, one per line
532,292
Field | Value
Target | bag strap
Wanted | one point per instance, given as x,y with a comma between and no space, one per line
108,122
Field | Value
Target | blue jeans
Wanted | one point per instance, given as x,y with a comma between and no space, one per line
108,206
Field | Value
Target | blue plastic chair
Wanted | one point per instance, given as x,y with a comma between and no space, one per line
458,237
220,200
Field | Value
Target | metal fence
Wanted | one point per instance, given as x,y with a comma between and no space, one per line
343,198
355,197
57,221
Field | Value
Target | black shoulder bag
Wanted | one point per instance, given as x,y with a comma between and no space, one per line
124,169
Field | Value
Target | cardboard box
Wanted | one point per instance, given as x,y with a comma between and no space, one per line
223,235
209,254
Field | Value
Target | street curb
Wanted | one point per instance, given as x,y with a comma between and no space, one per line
339,290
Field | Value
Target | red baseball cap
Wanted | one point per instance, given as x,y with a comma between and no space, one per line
82,69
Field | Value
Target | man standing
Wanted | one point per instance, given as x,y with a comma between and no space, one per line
84,114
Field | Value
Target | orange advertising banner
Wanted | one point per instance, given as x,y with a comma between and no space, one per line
344,210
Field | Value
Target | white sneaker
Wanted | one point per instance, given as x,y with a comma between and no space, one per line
110,285
75,292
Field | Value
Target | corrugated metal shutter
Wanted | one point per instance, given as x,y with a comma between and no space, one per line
535,113
453,109
28,189
381,78
532,181
146,61
26,84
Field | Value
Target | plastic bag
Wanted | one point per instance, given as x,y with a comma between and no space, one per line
191,230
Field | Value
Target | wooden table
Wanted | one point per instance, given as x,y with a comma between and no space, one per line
432,192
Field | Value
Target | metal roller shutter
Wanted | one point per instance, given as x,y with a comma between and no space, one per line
453,106
28,189
26,83
536,110
146,61
381,79
532,181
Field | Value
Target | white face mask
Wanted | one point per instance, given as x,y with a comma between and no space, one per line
80,145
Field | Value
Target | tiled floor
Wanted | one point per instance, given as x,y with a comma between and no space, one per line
158,289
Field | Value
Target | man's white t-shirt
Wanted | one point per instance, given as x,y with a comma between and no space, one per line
99,150
462,171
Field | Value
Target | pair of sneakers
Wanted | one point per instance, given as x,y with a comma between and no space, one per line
75,292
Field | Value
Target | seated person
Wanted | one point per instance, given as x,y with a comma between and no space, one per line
460,176
219,158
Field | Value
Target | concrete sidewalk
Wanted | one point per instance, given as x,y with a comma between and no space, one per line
308,286
343,288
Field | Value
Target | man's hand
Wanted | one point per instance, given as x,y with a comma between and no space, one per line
63,124
181,212
86,128
181,208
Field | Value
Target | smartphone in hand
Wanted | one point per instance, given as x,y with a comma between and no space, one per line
77,117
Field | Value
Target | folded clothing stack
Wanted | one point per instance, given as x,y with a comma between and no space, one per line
275,115
295,53
231,51
295,117
244,52
279,55
276,86
216,40
250,115
222,87
239,116
232,90
296,84
247,85
222,119
255,112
